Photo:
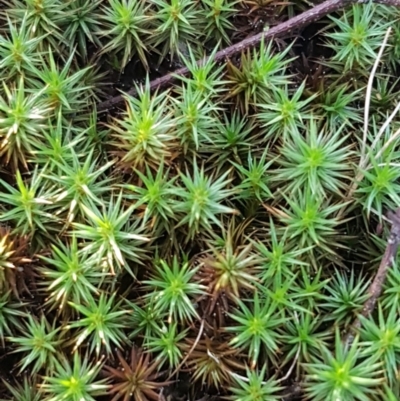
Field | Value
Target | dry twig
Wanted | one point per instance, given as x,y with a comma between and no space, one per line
375,288
199,334
285,28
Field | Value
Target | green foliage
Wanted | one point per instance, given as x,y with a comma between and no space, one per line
145,320
303,338
143,137
70,275
101,321
224,222
44,19
338,106
204,78
59,139
317,160
254,180
356,39
110,241
231,269
231,142
165,343
201,200
195,118
25,391
172,289
281,293
391,288
379,188
381,338
310,288
218,14
83,24
128,24
28,204
310,222
261,72
64,88
74,380
344,373
395,37
345,297
18,50
277,258
256,328
253,387
79,182
156,197
22,118
10,316
282,114
177,22
383,96
39,341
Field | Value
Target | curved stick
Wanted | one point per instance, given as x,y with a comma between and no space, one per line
376,286
287,27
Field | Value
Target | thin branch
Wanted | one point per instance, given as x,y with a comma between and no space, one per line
368,99
364,156
285,28
387,143
190,351
376,286
282,379
385,125
289,372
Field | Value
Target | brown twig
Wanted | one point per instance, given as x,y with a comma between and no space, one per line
287,27
375,288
